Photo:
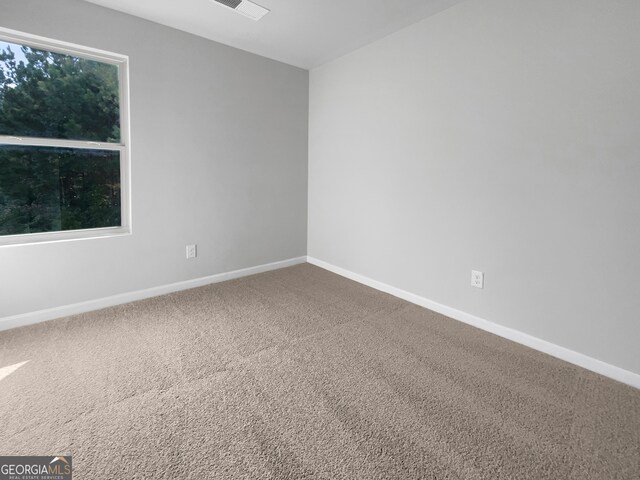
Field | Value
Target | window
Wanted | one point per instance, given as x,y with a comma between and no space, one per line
64,163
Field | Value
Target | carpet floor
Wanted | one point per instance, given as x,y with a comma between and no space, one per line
302,374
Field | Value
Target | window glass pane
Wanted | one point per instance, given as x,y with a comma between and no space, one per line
46,189
52,95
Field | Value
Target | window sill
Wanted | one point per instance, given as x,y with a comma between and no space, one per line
67,236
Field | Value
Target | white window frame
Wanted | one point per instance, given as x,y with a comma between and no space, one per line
122,62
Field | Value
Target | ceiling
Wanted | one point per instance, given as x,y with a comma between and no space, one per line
304,33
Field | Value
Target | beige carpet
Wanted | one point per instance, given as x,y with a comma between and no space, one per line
300,373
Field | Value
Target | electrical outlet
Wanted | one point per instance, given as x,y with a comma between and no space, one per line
477,279
192,251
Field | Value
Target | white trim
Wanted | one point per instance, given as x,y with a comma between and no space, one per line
584,361
62,236
58,46
59,143
97,304
126,215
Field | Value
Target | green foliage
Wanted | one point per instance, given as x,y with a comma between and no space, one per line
44,189
58,96
58,189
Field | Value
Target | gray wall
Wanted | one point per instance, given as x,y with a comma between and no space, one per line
499,135
219,158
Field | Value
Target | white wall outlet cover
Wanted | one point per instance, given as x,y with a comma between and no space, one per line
192,251
477,279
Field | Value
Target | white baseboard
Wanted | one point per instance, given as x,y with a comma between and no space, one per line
76,308
557,351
